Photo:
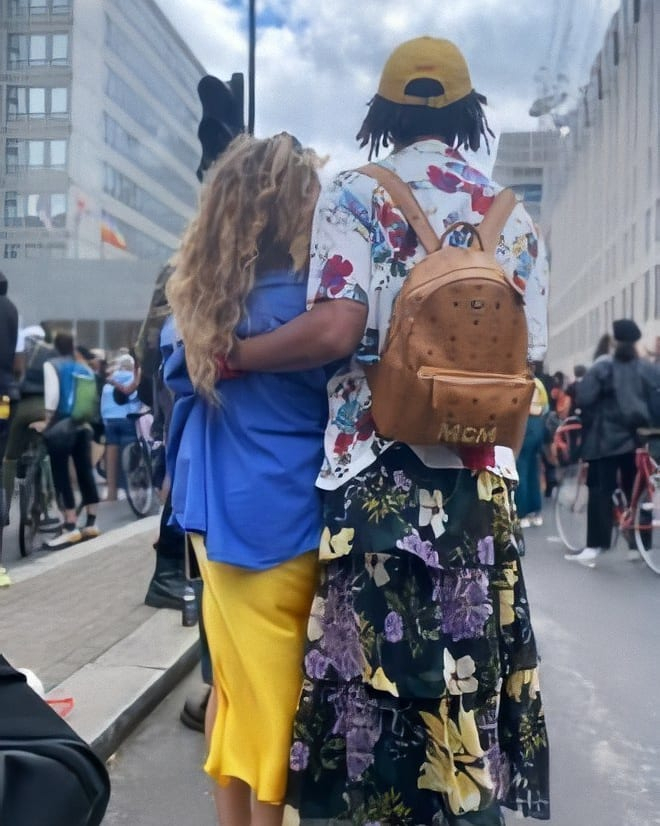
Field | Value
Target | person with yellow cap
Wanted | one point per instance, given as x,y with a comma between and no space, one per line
421,701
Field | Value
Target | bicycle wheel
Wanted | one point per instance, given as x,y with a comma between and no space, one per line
29,509
647,525
137,472
571,507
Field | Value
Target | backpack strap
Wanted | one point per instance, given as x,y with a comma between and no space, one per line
490,228
407,203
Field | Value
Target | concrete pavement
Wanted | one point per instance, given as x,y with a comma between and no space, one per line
77,619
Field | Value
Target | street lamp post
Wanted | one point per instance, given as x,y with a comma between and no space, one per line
252,41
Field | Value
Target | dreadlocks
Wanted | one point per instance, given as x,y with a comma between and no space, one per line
460,124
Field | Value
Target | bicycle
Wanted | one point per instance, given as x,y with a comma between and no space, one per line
35,493
136,462
638,519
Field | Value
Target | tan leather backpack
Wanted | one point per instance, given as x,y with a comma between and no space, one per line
454,369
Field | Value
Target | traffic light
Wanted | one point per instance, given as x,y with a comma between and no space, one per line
222,116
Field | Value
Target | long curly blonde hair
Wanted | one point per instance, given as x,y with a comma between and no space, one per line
256,205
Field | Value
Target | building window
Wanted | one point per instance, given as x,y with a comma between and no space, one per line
42,209
657,290
37,50
34,154
34,8
647,295
37,102
12,250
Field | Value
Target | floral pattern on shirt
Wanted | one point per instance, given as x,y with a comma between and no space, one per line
363,249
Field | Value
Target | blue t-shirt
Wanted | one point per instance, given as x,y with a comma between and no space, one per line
245,471
109,407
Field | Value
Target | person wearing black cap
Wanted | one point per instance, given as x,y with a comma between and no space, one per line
421,688
613,400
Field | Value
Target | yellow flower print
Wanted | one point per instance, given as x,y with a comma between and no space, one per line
375,565
380,682
431,511
455,760
524,677
493,488
485,483
459,674
507,614
314,628
331,547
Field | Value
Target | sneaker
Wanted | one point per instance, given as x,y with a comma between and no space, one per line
525,522
587,556
536,520
90,531
50,524
633,555
63,540
5,582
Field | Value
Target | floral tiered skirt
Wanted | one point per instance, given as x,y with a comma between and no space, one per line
420,703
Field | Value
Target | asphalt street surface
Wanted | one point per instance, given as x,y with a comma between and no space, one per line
598,632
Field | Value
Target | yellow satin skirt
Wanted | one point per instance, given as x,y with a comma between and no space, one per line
255,622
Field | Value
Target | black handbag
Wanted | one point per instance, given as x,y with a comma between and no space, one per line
48,774
60,435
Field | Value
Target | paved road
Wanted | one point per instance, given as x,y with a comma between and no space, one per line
598,632
110,515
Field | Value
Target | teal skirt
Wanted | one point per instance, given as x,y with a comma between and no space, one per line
421,700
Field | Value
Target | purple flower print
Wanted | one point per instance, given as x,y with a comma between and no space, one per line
465,604
299,756
421,548
359,751
316,665
486,550
393,627
341,639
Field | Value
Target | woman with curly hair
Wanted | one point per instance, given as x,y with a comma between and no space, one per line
247,457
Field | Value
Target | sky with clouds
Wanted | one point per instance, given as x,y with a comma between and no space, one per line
318,62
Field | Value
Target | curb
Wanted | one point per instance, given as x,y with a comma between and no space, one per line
115,692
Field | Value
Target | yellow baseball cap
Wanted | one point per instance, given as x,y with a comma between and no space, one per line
429,58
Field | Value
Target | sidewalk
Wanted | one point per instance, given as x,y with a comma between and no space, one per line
77,619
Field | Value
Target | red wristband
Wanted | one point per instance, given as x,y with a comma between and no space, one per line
225,372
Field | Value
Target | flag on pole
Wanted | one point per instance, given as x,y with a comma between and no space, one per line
110,233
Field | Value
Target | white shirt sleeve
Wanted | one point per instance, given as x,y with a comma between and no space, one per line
51,387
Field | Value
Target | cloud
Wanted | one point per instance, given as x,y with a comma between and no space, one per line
317,64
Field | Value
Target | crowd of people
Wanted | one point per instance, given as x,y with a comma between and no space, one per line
80,404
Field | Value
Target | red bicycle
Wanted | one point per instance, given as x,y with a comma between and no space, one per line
638,519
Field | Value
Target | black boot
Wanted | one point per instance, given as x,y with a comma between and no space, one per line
169,580
167,584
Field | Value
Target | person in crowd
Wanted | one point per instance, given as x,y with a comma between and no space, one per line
613,399
552,422
420,702
579,372
246,448
603,346
8,340
116,406
8,396
560,401
32,352
76,445
529,500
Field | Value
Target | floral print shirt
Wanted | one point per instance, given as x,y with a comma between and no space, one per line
363,249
